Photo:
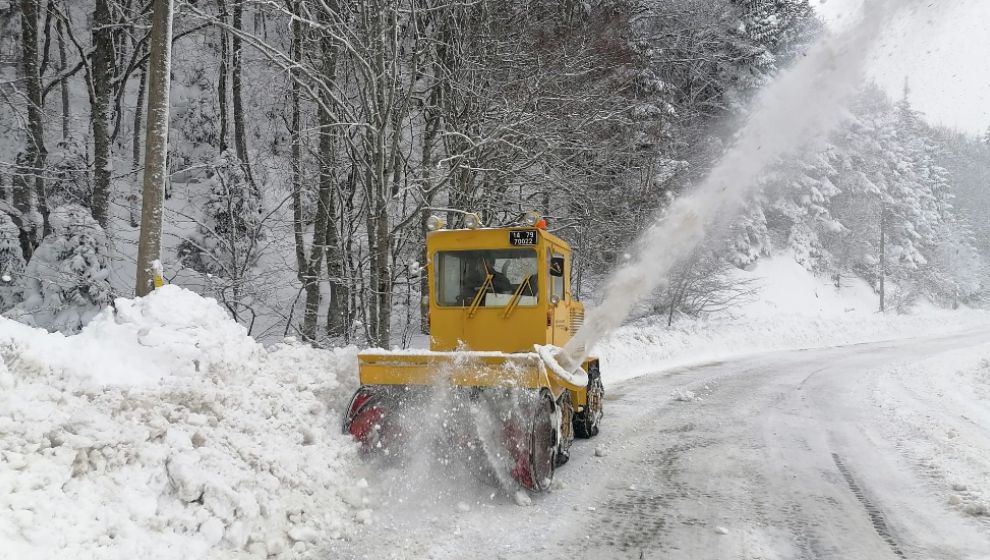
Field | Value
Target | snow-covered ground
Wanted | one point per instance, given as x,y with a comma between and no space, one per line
164,431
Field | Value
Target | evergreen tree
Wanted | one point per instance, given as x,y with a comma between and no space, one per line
798,204
66,281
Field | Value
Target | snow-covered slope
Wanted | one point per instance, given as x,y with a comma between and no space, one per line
792,308
163,431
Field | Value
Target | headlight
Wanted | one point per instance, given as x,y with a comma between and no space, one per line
532,218
472,221
434,223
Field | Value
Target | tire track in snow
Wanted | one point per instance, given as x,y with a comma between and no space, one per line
638,519
876,516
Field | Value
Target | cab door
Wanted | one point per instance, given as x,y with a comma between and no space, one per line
558,266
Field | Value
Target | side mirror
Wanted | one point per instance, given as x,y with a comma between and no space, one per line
557,266
415,269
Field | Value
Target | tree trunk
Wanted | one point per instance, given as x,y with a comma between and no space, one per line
883,257
383,287
156,146
337,312
295,125
323,221
134,197
102,77
35,153
317,250
670,312
303,269
222,88
337,315
64,86
432,128
379,243
23,202
240,135
337,309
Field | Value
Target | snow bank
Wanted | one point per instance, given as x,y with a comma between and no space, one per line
163,431
937,411
793,309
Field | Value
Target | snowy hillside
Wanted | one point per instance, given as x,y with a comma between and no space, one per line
162,431
790,308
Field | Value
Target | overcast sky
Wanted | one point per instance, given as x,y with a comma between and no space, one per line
943,47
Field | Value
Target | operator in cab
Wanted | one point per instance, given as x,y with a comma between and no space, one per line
477,270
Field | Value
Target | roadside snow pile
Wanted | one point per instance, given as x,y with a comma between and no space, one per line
793,309
163,431
937,411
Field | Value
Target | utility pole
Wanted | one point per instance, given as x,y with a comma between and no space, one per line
155,149
883,255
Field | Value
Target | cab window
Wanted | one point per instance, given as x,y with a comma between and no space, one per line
461,276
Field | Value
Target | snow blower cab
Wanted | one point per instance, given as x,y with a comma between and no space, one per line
500,306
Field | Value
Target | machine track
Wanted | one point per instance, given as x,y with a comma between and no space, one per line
876,516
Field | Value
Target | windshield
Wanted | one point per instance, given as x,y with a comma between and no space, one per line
461,275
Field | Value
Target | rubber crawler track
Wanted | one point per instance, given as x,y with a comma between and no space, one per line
876,516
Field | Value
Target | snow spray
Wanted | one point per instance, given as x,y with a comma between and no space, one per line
803,104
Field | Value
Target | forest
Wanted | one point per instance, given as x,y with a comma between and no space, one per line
310,141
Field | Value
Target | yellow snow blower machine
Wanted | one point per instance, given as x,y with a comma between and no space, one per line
500,308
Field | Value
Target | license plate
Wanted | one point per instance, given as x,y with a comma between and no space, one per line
525,237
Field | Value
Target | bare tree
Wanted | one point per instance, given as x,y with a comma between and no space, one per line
703,284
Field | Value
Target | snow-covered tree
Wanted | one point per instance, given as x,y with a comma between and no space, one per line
782,27
874,201
11,264
66,281
772,33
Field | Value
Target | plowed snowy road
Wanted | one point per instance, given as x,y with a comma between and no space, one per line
790,455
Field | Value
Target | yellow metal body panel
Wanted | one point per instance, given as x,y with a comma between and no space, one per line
523,371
